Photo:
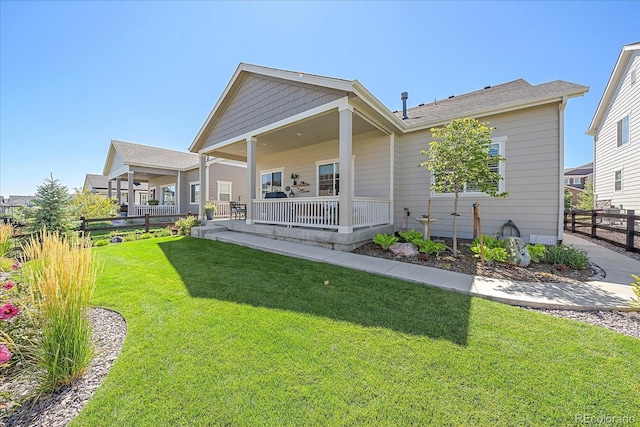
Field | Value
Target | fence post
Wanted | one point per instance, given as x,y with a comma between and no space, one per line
594,215
83,226
573,221
631,217
146,222
564,220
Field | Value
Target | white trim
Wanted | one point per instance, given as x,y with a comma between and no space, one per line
337,104
392,153
621,170
560,219
336,160
265,171
175,195
191,184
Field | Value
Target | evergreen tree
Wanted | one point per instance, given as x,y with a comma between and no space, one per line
586,199
52,207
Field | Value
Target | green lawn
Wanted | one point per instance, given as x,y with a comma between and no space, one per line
225,335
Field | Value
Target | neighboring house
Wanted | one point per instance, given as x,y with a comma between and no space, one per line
579,176
356,162
171,177
99,184
616,135
575,180
16,202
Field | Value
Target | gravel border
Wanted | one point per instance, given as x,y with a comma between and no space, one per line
624,322
60,408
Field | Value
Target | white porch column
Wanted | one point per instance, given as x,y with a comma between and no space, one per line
204,185
109,192
392,160
178,194
118,191
345,224
131,199
251,177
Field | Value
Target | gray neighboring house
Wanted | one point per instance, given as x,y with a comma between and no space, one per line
575,180
349,165
616,135
172,178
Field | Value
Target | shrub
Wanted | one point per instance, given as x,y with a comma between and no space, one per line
146,236
184,224
489,242
385,240
429,246
163,232
490,254
62,278
411,235
6,263
101,242
537,252
571,256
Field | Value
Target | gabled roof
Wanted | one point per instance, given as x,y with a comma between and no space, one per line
614,81
504,97
147,156
511,95
100,182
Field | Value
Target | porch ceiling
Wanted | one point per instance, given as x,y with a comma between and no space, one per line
308,132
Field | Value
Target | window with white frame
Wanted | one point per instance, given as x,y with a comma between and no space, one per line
144,198
495,148
168,195
224,191
194,192
270,181
567,180
617,181
623,131
329,179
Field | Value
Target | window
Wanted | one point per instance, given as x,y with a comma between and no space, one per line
270,182
329,179
617,181
567,180
224,191
169,195
144,198
623,131
495,148
194,192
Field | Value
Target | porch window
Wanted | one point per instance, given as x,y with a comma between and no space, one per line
617,181
194,192
224,191
328,179
169,195
144,198
270,182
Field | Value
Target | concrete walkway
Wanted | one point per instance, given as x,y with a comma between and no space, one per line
612,292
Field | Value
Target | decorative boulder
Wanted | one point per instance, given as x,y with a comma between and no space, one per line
117,239
404,249
517,252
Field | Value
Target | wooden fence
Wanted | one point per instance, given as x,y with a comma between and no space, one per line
128,222
622,225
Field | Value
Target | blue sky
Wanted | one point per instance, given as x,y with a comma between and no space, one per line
74,75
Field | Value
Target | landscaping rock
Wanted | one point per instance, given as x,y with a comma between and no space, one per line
517,252
404,249
117,239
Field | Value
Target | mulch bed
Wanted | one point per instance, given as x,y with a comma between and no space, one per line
467,264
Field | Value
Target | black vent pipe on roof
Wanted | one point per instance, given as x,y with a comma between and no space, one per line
403,97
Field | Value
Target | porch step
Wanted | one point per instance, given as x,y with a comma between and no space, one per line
207,231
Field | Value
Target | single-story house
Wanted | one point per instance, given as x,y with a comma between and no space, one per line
99,184
172,179
349,165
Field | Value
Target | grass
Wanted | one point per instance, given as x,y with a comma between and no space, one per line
225,335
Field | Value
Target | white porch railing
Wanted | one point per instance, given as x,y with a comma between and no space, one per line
223,209
368,212
141,210
319,212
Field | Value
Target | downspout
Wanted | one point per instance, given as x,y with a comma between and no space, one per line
561,108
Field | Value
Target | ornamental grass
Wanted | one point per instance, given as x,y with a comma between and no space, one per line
6,242
63,279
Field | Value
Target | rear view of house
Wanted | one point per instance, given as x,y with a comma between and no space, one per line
616,135
324,155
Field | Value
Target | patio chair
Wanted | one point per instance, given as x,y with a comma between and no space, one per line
238,210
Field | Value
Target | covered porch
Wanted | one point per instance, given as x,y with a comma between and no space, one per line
329,168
